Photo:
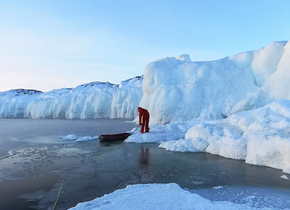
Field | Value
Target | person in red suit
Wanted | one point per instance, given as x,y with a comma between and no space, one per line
144,119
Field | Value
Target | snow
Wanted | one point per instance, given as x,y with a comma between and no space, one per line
278,83
176,89
88,138
13,103
284,177
70,137
88,101
218,187
80,139
158,196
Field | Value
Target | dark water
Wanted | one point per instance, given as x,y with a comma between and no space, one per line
39,164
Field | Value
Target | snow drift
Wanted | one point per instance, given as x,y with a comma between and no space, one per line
159,196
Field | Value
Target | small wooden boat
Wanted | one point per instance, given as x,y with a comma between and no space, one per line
114,137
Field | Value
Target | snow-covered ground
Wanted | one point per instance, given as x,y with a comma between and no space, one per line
164,196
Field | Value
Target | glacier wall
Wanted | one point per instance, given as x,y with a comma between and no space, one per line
13,103
87,101
176,89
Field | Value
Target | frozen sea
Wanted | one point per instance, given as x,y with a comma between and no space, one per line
35,161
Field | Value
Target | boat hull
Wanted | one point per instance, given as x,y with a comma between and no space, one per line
114,137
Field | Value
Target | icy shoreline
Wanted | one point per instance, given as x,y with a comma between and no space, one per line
236,107
260,137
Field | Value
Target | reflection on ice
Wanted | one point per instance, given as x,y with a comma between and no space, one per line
72,151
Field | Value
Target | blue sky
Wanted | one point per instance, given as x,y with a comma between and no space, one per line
51,44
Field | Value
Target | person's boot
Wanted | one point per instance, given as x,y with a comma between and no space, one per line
142,128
